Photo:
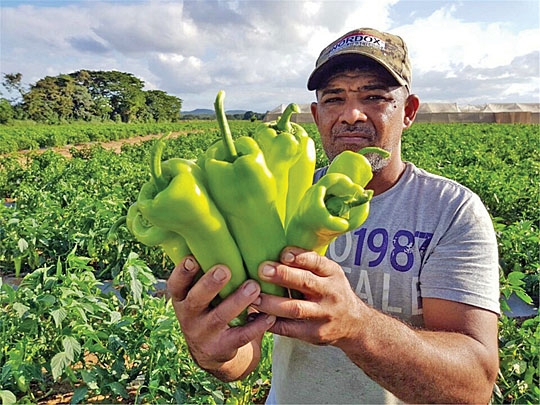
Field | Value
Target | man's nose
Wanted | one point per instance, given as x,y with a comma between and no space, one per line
353,113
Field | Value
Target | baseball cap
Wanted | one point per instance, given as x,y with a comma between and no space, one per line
389,50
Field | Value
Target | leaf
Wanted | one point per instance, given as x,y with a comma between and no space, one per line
180,396
58,363
134,284
8,290
504,306
22,244
530,323
17,261
7,397
58,315
58,267
519,367
47,299
115,317
524,296
21,309
89,377
516,278
79,394
14,221
72,347
29,325
82,314
118,389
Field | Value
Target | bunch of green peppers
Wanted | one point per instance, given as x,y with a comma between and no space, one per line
244,200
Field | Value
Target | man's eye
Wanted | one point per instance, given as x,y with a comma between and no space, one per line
378,97
331,100
375,97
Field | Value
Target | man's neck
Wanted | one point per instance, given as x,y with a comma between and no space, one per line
387,177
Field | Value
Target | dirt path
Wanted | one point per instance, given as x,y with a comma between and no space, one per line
116,146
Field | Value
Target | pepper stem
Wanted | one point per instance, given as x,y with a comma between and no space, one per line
226,135
113,231
373,149
339,206
284,123
155,164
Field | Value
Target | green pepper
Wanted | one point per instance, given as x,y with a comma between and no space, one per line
177,200
173,244
301,172
356,165
290,155
332,206
244,189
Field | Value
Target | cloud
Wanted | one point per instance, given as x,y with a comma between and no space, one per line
520,79
141,28
261,52
87,44
455,60
194,48
183,74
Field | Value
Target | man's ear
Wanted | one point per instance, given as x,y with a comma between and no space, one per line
411,108
314,112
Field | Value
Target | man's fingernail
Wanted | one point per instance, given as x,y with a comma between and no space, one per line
268,271
257,301
219,274
288,257
189,264
270,319
249,289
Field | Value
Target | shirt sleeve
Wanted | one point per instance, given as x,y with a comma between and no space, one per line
463,266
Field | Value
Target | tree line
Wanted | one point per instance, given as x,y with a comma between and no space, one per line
87,96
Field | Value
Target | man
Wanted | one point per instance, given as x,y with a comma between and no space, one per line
402,309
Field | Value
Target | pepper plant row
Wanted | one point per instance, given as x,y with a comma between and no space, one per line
59,206
15,138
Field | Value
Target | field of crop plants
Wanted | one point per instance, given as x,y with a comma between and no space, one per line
65,336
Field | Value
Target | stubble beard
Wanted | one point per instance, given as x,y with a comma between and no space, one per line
376,161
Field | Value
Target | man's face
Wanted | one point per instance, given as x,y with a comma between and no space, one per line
361,108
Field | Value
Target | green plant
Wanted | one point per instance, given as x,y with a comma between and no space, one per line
519,353
60,327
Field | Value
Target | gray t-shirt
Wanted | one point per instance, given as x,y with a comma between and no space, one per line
427,236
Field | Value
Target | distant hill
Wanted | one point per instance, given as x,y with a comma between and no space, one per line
199,111
206,111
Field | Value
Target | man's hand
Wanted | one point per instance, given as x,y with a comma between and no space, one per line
228,353
330,307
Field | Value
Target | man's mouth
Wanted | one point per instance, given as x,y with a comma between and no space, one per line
354,134
353,137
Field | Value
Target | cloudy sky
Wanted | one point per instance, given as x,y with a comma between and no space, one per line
261,52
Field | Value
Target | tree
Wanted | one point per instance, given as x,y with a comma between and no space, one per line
13,82
54,99
162,106
121,92
6,111
94,95
248,115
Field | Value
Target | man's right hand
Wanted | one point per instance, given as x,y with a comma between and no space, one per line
230,353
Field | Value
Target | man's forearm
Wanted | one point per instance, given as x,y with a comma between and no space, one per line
422,366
